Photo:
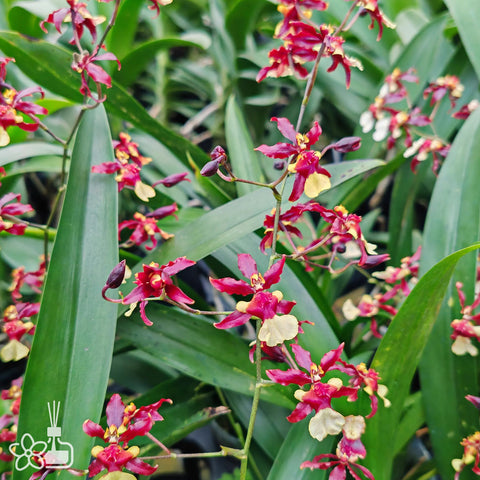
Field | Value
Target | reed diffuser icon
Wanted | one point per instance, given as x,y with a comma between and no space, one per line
52,454
60,454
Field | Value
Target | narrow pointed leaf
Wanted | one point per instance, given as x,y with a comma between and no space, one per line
398,355
73,343
245,161
453,222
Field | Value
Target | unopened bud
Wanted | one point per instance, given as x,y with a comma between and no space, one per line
116,276
374,260
210,168
163,212
218,154
279,164
347,144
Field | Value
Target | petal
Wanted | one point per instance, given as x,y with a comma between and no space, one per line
316,183
141,468
286,128
272,275
247,265
235,319
278,329
279,150
232,286
93,429
288,377
302,357
177,295
115,411
300,412
326,422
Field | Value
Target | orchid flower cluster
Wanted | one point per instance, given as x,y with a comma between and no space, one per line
466,328
393,285
9,421
471,448
127,166
124,423
304,41
394,115
17,317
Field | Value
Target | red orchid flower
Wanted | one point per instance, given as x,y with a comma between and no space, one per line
318,398
309,175
144,229
33,279
286,219
155,282
349,450
277,324
449,84
371,8
9,210
85,65
125,422
11,102
80,17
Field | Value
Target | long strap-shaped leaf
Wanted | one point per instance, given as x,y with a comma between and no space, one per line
453,222
73,344
398,355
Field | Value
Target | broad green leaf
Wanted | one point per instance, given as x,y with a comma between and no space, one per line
121,38
465,13
137,59
240,149
299,447
240,19
46,64
72,347
453,222
25,150
398,355
191,345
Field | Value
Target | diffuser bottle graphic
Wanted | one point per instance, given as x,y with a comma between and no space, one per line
59,454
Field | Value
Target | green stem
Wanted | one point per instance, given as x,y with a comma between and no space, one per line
255,403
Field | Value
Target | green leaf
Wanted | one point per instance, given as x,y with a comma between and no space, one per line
72,347
22,151
122,36
453,222
398,355
299,447
190,344
465,13
245,161
240,19
137,59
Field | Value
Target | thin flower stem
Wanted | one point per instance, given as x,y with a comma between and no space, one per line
188,309
111,23
49,132
49,222
255,402
221,453
157,442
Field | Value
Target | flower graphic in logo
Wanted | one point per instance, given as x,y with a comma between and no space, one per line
30,453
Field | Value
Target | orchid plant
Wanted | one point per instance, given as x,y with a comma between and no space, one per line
195,140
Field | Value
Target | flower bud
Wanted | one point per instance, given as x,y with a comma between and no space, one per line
347,144
116,276
279,165
210,168
218,154
163,212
